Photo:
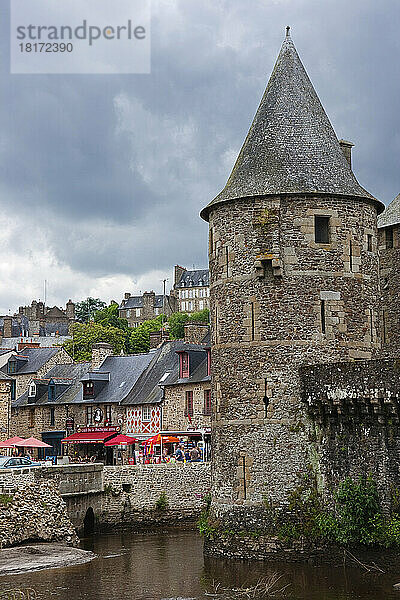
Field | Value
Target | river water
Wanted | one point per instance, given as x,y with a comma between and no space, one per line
170,565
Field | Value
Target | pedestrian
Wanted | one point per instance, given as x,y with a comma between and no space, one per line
194,455
180,457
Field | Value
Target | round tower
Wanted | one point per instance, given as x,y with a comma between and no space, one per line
389,251
294,281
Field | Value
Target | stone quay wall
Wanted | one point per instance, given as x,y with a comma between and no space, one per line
131,494
121,496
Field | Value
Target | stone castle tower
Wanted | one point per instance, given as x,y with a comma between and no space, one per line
294,271
389,250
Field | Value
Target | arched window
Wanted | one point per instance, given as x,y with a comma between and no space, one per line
32,390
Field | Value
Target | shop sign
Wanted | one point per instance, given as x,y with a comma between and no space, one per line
111,429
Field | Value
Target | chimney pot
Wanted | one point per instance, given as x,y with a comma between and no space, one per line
346,149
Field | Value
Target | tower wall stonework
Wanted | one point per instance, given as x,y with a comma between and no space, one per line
390,292
269,280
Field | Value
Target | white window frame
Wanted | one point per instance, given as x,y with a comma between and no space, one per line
32,389
146,413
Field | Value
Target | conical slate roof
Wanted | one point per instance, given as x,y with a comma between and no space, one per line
291,147
391,216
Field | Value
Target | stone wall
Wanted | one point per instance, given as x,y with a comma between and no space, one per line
131,494
32,509
173,415
280,300
5,408
390,292
24,425
118,496
355,411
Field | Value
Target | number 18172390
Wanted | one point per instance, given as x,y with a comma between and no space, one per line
46,47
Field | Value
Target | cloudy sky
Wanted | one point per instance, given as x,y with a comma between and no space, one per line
103,176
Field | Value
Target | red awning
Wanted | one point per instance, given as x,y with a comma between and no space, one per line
91,437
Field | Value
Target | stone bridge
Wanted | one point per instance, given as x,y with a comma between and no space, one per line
123,496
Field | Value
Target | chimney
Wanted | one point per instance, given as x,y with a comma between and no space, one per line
157,338
346,149
7,331
70,309
195,332
178,272
100,351
127,296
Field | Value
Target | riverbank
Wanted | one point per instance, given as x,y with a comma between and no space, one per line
36,557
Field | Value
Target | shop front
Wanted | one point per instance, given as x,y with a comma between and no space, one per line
88,444
53,438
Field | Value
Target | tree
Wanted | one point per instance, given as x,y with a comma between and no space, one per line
108,316
176,324
177,321
84,335
140,337
84,310
202,316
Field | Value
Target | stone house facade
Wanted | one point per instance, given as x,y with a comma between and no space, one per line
173,393
191,289
71,397
295,284
137,309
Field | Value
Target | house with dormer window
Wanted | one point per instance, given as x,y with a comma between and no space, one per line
174,392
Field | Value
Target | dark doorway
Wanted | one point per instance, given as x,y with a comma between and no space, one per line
88,522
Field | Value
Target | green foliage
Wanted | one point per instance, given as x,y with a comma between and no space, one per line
85,310
162,502
108,316
356,516
176,324
177,321
6,499
202,316
84,335
139,340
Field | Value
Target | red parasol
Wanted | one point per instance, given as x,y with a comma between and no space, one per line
156,439
32,443
120,440
11,442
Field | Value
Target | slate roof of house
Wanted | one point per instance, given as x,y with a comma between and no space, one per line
137,302
195,278
124,372
291,147
67,376
391,216
37,357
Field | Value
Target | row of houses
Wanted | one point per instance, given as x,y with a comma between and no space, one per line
45,395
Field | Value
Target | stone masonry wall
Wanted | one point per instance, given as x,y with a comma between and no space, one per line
32,509
5,408
131,493
390,292
279,300
174,417
355,411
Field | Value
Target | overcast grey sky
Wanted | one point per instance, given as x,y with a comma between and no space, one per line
103,177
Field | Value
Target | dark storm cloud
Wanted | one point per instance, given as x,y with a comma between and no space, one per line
114,170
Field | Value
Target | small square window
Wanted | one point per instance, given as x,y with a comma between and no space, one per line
321,229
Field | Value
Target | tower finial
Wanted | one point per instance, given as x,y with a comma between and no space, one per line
287,31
